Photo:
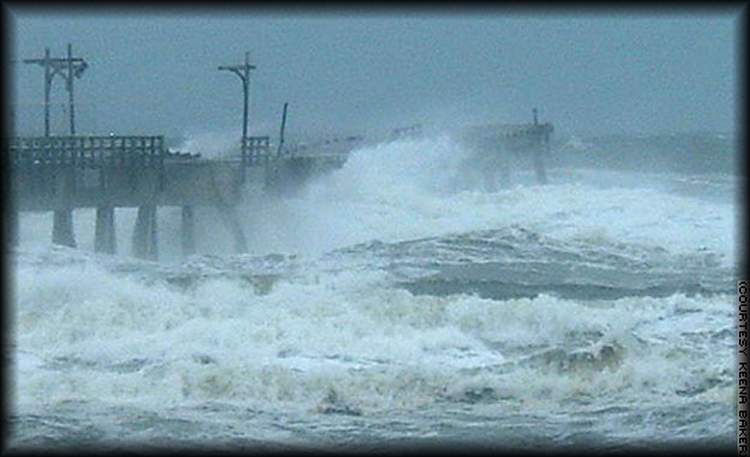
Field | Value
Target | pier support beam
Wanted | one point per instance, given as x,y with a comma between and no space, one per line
495,170
105,239
489,180
542,148
11,229
541,173
505,175
188,230
144,234
62,228
229,215
62,225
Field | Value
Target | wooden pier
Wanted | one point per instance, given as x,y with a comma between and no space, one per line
61,174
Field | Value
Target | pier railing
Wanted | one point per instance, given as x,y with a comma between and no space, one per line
333,149
255,150
87,151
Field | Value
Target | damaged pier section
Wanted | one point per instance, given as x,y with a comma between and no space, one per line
495,147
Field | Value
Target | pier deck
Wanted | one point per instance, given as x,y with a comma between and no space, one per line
63,173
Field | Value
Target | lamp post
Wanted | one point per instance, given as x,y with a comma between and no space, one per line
243,72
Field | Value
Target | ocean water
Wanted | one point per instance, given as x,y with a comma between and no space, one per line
393,303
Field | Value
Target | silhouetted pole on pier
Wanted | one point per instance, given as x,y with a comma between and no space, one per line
68,68
243,72
74,71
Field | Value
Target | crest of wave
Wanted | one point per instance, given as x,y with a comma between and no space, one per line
212,144
429,165
219,143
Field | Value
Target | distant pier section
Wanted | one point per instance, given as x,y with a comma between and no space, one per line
494,145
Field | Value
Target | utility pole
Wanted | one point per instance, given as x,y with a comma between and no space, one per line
243,71
67,68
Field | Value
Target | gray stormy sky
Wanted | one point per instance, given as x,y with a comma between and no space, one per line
342,72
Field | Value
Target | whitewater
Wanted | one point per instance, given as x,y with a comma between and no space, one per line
393,302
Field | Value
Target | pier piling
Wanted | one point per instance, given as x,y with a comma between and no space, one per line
541,174
105,238
540,150
12,228
188,230
229,216
144,234
62,228
62,225
11,224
